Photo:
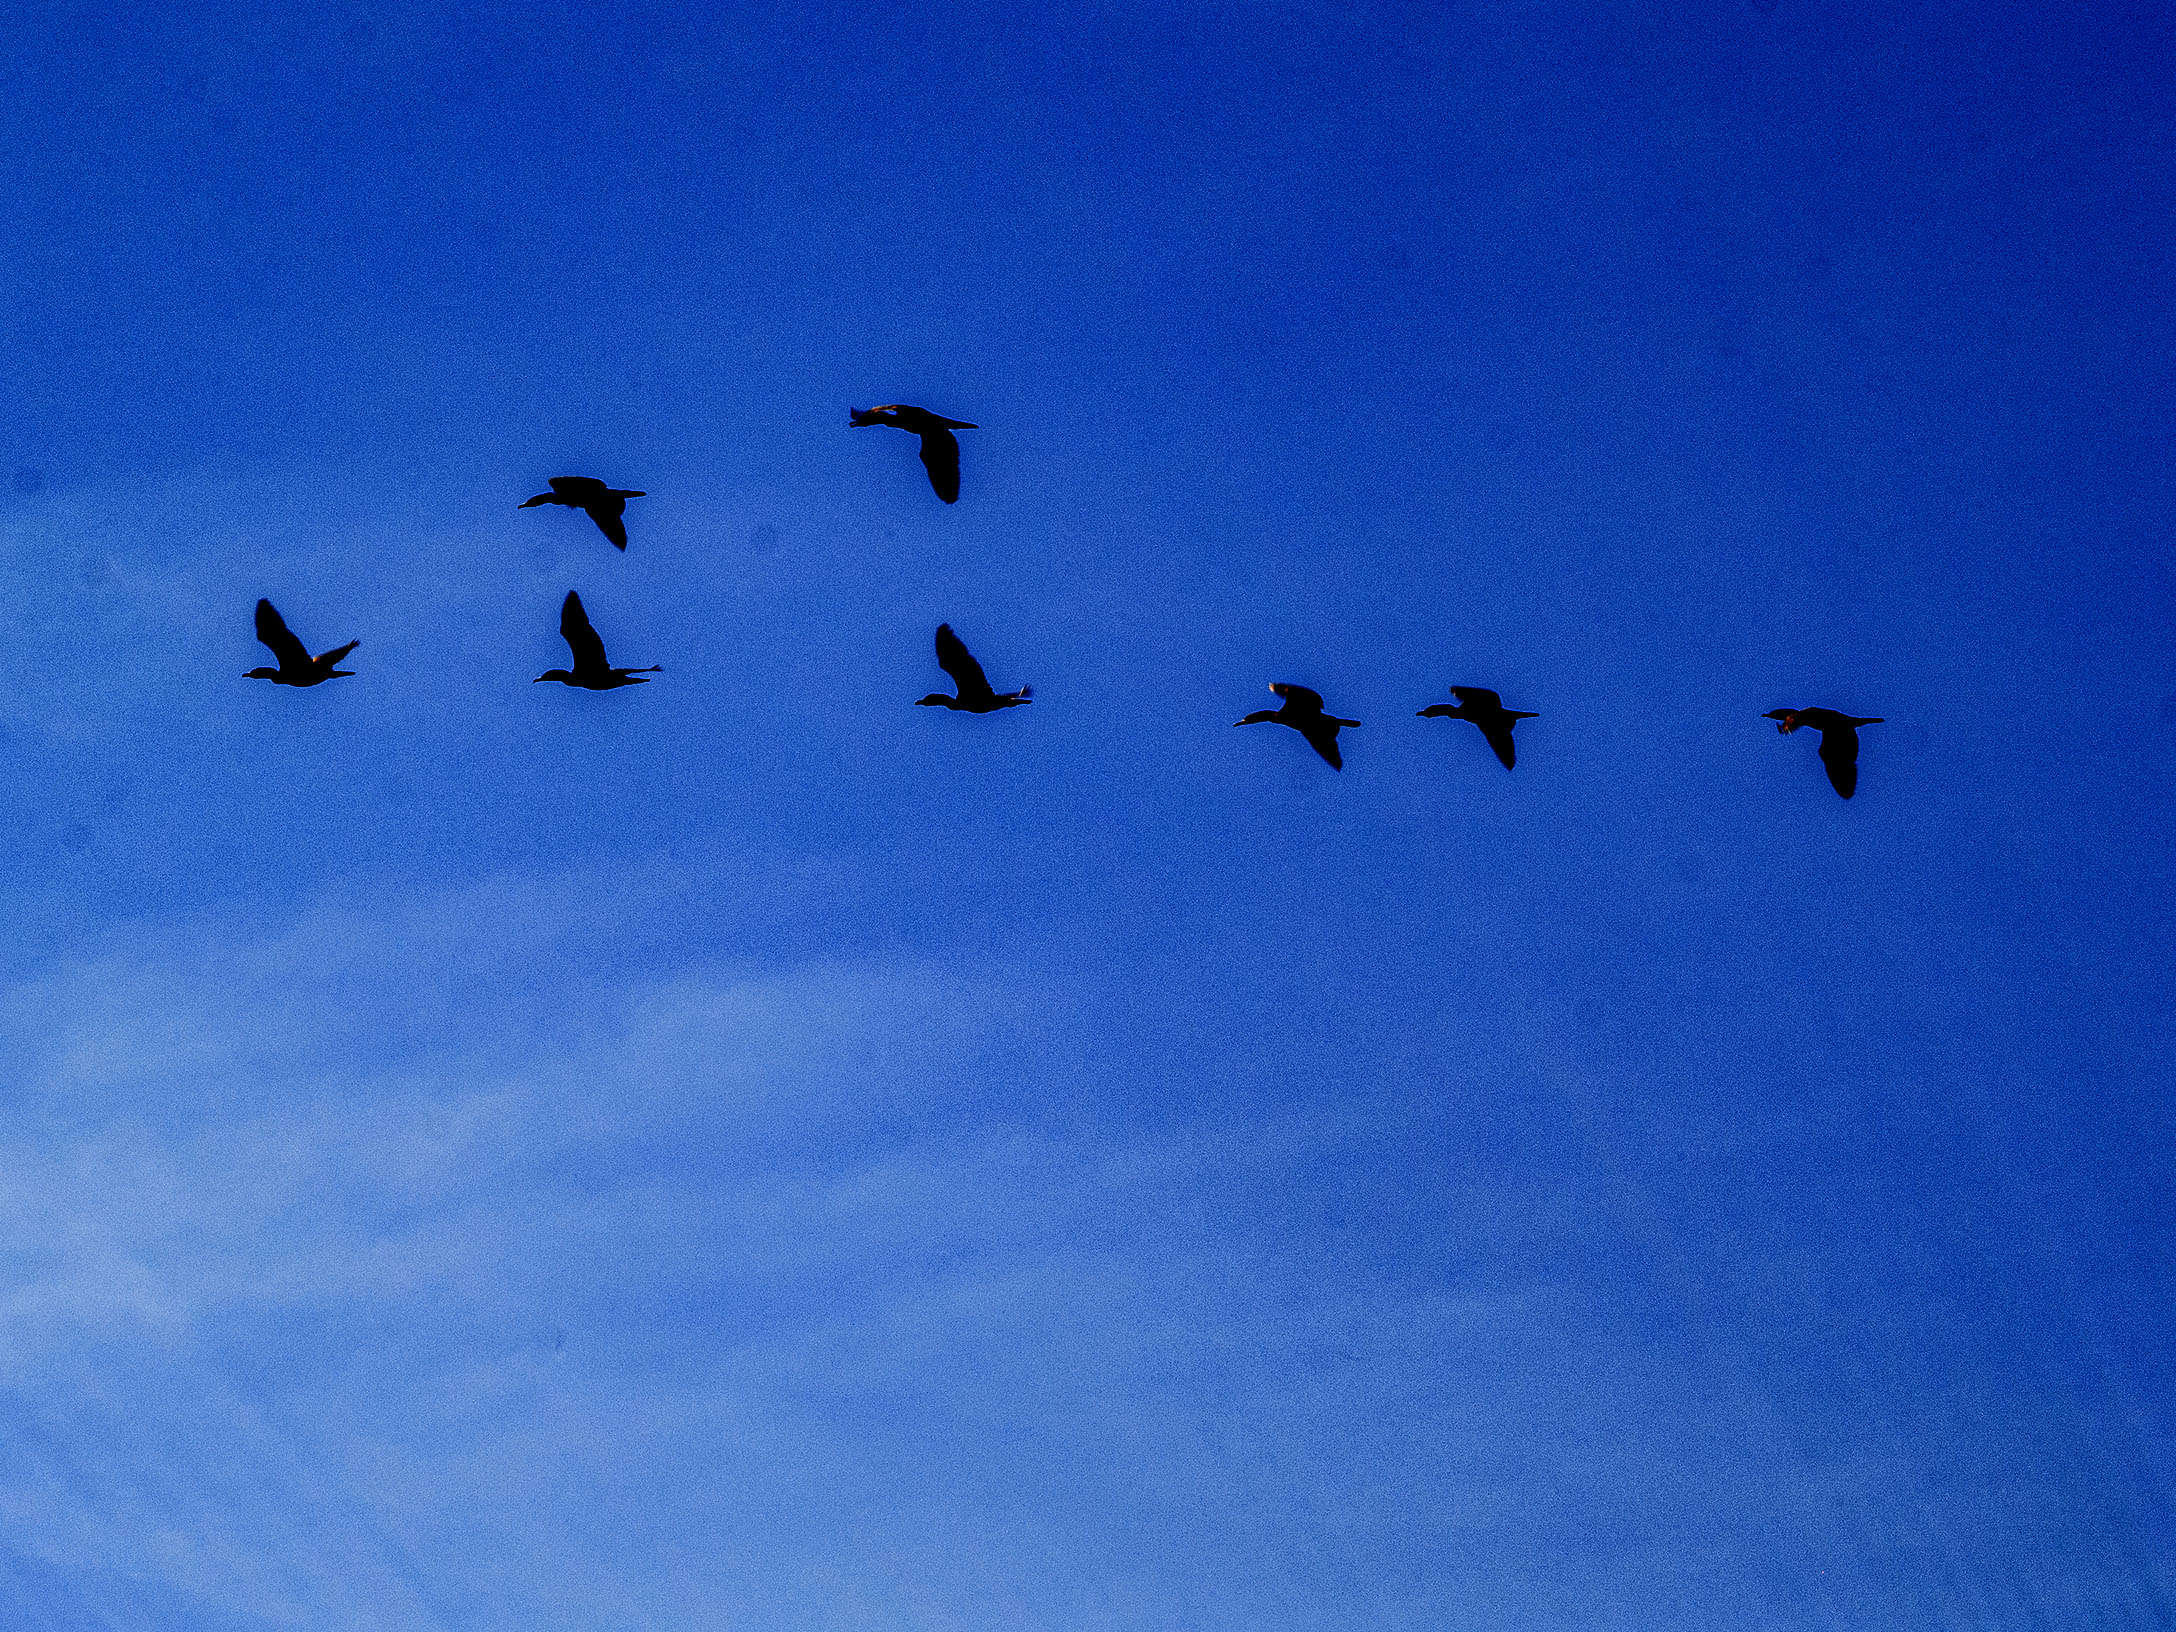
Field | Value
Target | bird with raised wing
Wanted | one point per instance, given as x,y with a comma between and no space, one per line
603,505
940,448
1839,740
1485,709
591,672
975,695
297,666
1302,711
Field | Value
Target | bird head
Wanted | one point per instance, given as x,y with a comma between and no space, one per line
262,674
867,416
935,699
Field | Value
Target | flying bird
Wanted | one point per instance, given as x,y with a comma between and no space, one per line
1839,740
591,672
940,448
603,505
1486,710
297,666
975,695
1302,711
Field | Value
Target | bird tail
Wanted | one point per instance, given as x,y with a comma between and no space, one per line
1873,720
1521,714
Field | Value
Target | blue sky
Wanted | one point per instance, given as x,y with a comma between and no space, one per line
749,1152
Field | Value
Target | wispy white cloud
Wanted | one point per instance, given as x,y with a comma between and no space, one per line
238,1158
368,1277
392,1270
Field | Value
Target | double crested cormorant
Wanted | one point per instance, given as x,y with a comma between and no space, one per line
297,666
940,448
1839,740
591,672
603,505
1302,711
975,695
1486,710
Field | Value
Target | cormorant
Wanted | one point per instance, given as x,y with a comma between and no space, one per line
603,505
1486,710
591,672
940,448
297,666
1302,711
1839,740
975,695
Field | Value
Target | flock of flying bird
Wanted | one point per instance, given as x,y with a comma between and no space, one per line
1301,709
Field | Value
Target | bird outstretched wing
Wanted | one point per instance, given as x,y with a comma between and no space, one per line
606,513
272,630
1477,697
581,639
1840,754
1299,700
581,489
956,660
941,458
1321,735
1498,733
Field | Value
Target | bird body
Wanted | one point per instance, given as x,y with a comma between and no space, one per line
297,666
1485,709
1839,740
1302,711
603,505
591,672
975,695
940,448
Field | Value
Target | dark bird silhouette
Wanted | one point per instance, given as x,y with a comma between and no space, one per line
1302,711
1486,710
975,695
591,672
940,448
603,505
1839,740
297,666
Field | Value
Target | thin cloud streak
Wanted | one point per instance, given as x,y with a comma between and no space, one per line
370,1325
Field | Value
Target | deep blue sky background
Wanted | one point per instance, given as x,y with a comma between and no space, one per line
751,1153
